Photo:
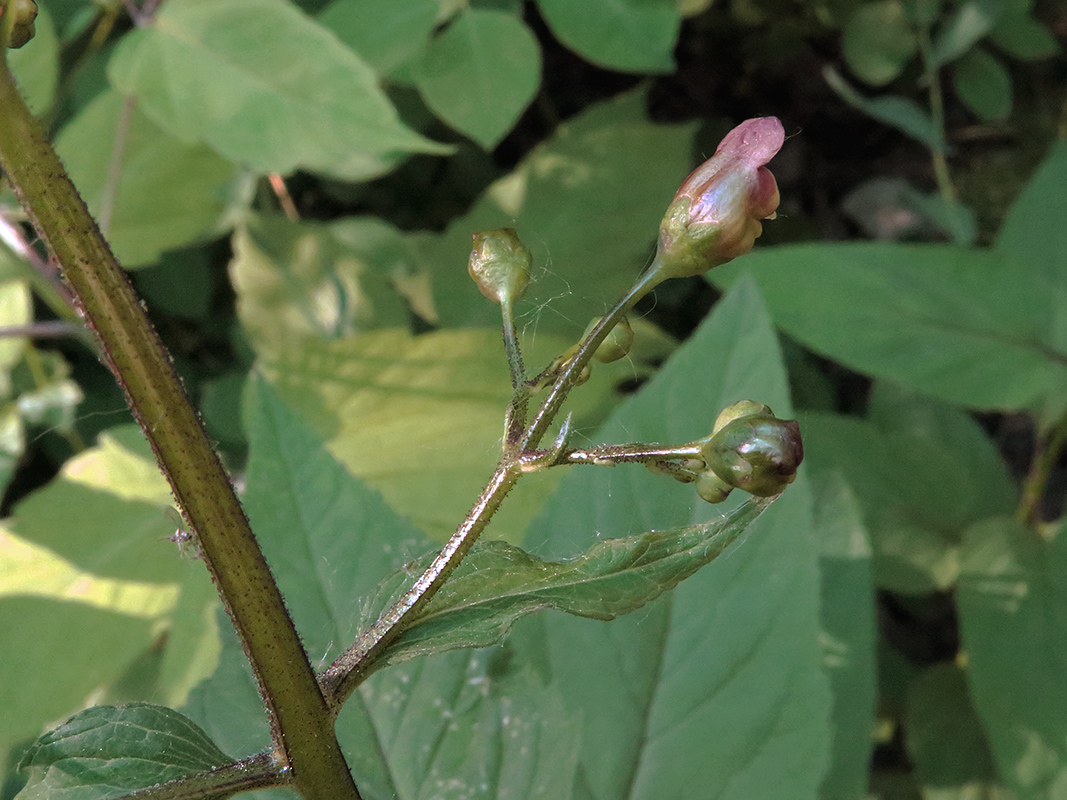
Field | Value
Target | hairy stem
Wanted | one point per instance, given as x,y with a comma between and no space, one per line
256,772
302,727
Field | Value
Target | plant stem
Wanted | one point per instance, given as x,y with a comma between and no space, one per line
1049,448
610,455
256,772
301,725
353,666
937,113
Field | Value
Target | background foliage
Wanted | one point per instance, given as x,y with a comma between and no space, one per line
293,186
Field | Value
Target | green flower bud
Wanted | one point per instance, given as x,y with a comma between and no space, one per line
616,345
25,12
712,488
758,453
717,213
500,264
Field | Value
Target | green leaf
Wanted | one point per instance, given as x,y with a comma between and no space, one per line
945,740
1035,243
587,203
35,65
399,31
965,325
299,280
902,113
122,507
717,685
847,614
265,86
922,472
1023,37
498,583
1012,604
983,84
165,194
971,21
419,417
109,751
481,73
478,726
624,35
44,682
878,41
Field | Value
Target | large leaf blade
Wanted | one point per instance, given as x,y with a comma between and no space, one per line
720,686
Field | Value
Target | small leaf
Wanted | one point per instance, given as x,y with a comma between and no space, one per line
498,583
480,73
878,41
1023,37
625,35
168,193
264,85
902,113
399,31
983,84
971,21
109,751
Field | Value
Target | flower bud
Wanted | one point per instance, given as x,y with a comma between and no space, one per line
743,408
25,12
758,453
716,214
500,264
616,344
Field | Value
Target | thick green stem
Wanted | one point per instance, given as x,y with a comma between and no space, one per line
301,724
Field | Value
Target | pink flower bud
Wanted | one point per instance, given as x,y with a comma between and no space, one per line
716,214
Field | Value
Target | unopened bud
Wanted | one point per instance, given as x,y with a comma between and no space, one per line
616,344
716,214
758,453
500,265
25,12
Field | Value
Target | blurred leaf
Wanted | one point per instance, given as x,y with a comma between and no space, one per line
498,583
168,193
902,113
983,84
847,615
1023,37
419,417
717,685
481,73
1035,243
36,64
265,86
297,280
944,736
588,203
109,751
922,472
398,33
40,686
970,22
878,41
181,283
1012,606
122,558
624,35
966,325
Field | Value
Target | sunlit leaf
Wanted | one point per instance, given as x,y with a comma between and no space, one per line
265,86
